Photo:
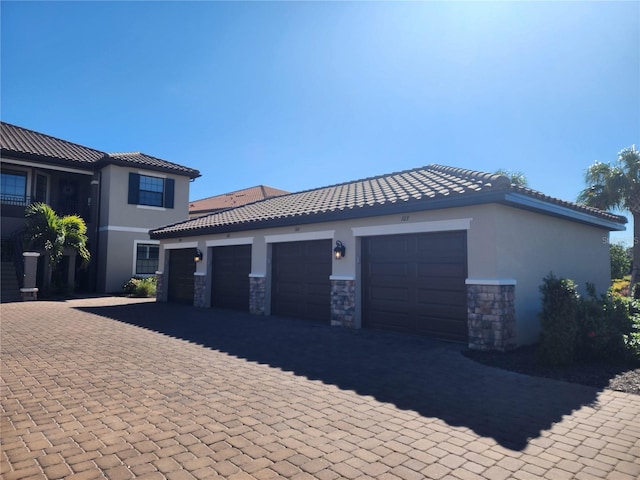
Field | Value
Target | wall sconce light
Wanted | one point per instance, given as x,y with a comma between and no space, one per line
197,257
338,252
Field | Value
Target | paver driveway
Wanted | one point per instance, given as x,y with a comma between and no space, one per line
119,388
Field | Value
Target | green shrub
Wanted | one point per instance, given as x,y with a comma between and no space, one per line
558,321
140,287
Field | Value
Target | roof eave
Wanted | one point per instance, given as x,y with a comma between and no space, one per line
191,173
527,202
63,162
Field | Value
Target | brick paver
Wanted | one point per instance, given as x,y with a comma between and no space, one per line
118,388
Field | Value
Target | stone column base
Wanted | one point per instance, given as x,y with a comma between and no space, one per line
160,287
257,292
343,303
491,314
200,290
29,294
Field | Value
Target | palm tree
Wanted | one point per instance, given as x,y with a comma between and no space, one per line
516,177
617,186
47,232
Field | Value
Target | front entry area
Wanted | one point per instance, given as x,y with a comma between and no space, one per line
415,283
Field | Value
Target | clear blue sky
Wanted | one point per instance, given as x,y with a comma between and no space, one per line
298,95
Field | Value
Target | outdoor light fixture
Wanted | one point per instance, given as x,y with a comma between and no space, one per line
198,256
338,252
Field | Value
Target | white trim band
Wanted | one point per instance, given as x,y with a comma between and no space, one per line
342,277
418,227
223,242
199,274
257,275
30,254
175,246
116,228
491,281
298,237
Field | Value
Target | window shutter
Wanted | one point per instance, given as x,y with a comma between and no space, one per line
134,188
169,189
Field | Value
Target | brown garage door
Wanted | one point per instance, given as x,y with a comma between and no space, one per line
416,283
301,286
181,270
231,269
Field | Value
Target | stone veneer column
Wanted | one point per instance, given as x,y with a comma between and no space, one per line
199,289
257,290
160,287
491,314
343,303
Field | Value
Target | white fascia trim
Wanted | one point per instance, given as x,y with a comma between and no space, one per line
559,210
342,277
298,237
47,166
174,246
491,281
116,228
223,242
418,227
257,275
150,207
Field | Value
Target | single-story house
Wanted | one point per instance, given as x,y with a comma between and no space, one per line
437,250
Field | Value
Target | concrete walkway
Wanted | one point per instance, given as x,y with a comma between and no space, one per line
117,388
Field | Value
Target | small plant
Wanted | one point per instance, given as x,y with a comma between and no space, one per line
140,287
558,318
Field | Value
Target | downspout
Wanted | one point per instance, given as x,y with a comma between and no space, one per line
97,208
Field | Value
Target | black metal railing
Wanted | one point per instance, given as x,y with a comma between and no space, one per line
61,208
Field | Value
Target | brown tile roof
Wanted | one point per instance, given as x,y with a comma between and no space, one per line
234,199
143,160
430,187
22,143
26,143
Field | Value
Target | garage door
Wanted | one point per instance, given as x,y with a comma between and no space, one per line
181,270
416,283
300,280
231,269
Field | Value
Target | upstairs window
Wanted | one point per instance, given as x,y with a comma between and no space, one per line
147,258
151,191
13,187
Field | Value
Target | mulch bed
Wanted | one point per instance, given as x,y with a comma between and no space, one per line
623,377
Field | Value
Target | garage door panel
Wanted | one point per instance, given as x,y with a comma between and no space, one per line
300,279
440,297
230,277
440,270
386,294
416,283
389,269
181,270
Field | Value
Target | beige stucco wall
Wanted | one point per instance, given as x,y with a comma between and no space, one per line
531,245
504,243
121,224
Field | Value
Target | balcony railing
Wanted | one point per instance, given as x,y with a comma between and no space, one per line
61,208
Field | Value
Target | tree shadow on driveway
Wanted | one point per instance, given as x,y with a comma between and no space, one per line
415,373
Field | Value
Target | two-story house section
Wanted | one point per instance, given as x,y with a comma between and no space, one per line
120,196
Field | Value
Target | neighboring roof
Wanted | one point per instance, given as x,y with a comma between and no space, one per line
234,199
424,188
22,143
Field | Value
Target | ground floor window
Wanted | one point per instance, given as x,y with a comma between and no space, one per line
147,255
